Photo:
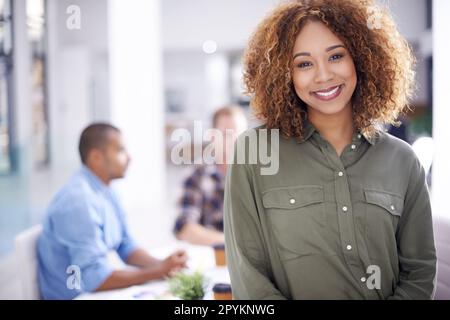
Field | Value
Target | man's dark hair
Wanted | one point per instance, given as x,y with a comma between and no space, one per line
95,136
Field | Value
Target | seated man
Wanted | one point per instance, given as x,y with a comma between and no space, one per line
85,222
201,218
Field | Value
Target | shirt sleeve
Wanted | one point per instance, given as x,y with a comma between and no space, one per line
78,227
190,203
127,244
246,257
415,241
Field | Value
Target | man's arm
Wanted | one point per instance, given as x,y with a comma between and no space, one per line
125,278
140,258
151,269
198,234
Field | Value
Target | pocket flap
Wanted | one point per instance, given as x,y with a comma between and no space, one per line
293,197
389,201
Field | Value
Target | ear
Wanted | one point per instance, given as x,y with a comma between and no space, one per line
95,156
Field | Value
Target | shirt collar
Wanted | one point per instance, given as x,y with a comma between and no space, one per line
372,139
309,130
93,180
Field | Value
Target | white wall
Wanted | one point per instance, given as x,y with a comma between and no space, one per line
184,70
78,90
187,24
137,107
441,111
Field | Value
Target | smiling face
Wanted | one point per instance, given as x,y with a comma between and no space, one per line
323,71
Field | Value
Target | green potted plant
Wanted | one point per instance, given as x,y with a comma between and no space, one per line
188,286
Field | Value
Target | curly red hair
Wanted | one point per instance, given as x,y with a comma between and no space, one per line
383,60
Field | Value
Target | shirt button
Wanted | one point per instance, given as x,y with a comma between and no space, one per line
359,136
292,201
392,208
353,146
363,279
349,247
340,173
344,208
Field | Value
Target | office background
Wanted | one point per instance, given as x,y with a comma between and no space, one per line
149,67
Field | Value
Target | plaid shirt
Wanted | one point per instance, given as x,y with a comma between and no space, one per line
202,199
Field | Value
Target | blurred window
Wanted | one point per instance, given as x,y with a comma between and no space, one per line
5,86
36,29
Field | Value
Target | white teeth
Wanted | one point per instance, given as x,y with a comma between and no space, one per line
327,94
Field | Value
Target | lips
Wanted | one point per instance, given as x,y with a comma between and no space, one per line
329,93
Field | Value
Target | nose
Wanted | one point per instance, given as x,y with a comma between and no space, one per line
323,74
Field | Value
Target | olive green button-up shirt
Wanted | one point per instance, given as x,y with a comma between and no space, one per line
355,226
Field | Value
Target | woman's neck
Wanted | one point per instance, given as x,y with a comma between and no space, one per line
337,128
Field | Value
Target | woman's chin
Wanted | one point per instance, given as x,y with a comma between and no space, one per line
328,110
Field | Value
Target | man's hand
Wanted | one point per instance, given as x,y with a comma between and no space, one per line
174,263
149,268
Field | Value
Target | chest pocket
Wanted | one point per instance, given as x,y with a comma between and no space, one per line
297,219
292,197
390,202
383,212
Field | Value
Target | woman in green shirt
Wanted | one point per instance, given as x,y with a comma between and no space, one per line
347,215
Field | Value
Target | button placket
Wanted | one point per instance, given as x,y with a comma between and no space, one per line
345,217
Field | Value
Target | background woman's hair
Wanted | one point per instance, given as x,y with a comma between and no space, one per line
383,60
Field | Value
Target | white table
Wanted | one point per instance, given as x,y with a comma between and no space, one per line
201,258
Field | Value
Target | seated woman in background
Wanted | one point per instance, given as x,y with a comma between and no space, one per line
201,214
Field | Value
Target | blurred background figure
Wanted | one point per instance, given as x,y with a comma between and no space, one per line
201,206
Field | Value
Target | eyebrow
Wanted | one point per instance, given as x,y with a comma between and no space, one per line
327,50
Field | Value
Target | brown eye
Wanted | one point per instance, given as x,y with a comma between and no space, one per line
337,56
303,65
